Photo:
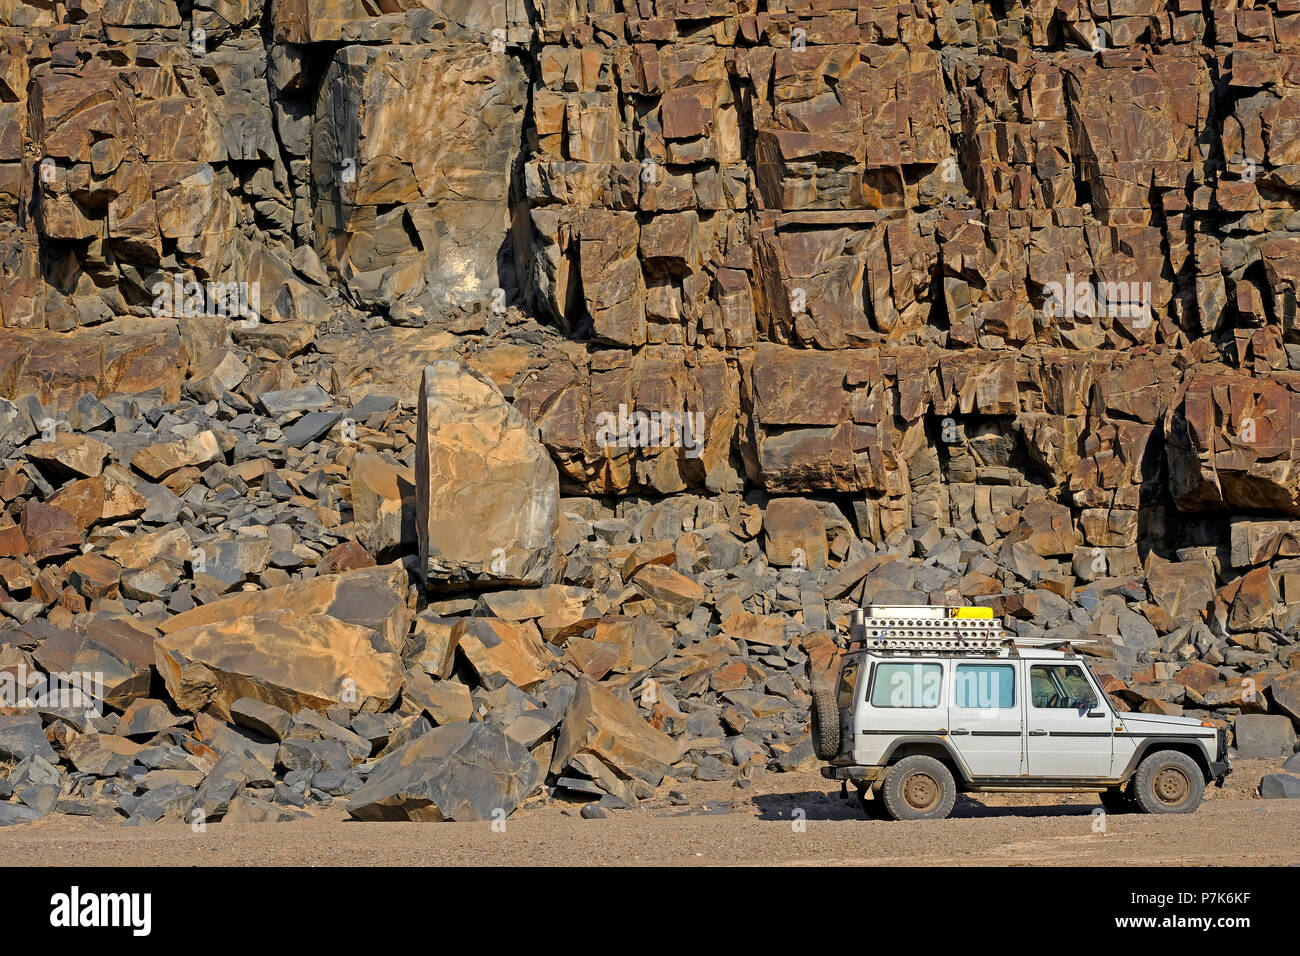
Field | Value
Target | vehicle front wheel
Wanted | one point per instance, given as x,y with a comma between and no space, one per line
1168,782
918,788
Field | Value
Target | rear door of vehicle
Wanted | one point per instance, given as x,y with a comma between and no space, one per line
986,717
1068,728
846,693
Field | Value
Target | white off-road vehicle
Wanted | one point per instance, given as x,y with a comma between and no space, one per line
933,700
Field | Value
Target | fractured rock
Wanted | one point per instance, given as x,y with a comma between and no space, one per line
487,493
464,772
286,659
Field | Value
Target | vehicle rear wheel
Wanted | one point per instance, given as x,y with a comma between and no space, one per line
825,723
1168,782
1116,801
918,788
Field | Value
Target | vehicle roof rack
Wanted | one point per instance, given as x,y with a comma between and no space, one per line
939,628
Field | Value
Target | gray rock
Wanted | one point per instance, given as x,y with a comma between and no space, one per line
304,398
173,800
40,798
219,787
14,813
1264,735
1280,786
462,772
262,718
22,736
309,428
337,783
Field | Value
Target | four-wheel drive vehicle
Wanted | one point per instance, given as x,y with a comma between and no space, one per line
933,700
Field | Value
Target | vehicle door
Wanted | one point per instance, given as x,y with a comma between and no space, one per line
1068,728
845,699
986,717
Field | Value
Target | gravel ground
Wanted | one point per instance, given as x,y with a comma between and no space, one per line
718,825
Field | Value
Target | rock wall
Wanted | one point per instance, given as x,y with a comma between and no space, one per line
934,301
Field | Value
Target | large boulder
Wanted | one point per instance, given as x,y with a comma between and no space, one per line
290,660
1264,735
462,772
1181,590
603,725
487,493
503,652
373,598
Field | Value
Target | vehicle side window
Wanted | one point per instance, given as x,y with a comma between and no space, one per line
906,685
991,686
1060,687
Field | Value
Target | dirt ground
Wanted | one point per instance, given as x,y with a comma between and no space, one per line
782,819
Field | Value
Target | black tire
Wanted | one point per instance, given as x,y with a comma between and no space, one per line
825,723
1168,781
918,788
1115,800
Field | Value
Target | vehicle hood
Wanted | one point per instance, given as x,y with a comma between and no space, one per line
1161,723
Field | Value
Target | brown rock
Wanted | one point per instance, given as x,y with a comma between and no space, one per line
70,454
383,503
501,652
795,534
601,724
348,556
445,701
487,494
122,656
767,630
93,576
373,598
290,660
50,532
162,459
103,498
675,593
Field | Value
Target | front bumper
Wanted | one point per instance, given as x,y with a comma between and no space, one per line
1219,768
853,773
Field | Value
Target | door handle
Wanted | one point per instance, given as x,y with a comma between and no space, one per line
1038,733
1096,713
960,730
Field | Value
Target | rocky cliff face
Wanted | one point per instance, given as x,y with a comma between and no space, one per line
835,301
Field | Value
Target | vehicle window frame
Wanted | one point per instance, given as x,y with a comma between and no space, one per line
956,677
849,662
875,673
1060,688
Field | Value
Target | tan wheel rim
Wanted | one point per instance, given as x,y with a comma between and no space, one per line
921,791
1171,786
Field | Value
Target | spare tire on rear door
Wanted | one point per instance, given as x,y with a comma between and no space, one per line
825,723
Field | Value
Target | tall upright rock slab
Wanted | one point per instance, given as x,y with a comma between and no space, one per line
487,494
